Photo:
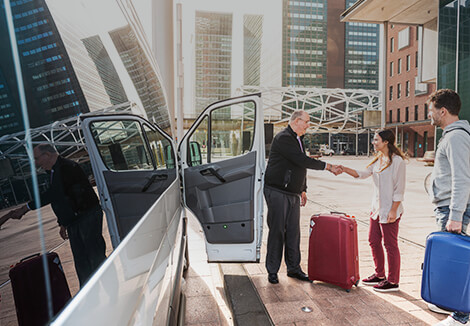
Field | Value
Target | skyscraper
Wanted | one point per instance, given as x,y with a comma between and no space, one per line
361,64
252,35
213,57
52,88
320,51
304,48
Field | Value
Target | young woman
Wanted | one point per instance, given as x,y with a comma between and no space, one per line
388,171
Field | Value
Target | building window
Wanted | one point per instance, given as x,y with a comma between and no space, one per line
391,93
425,111
407,114
405,142
399,66
408,62
391,69
404,38
425,141
416,59
398,90
416,113
407,90
390,118
398,115
391,44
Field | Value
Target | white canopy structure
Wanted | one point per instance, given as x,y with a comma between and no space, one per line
330,110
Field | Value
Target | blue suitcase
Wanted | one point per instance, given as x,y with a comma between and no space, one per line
446,271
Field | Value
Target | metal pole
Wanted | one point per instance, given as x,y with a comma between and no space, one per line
29,149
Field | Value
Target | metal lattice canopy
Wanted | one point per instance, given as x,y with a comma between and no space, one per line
331,110
65,135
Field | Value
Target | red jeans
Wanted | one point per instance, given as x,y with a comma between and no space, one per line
389,232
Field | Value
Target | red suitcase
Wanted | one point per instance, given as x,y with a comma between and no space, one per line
29,290
333,251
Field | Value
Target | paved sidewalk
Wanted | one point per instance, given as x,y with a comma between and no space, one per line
332,305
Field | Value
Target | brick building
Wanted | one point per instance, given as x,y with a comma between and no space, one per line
406,108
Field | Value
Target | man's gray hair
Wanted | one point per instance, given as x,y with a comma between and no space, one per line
46,148
296,114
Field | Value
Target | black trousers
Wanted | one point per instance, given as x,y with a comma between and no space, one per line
87,243
284,230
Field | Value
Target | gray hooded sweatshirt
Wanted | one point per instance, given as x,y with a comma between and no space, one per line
451,174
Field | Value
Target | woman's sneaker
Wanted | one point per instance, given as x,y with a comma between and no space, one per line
372,280
386,286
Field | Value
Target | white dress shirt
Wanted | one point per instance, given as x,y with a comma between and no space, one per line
389,187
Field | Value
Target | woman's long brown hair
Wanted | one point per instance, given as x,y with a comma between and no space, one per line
389,136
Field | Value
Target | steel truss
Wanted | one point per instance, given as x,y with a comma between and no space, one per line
65,135
331,110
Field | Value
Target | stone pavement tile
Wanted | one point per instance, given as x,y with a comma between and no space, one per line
268,295
198,286
370,304
428,317
397,317
255,269
366,320
201,268
288,312
286,292
201,310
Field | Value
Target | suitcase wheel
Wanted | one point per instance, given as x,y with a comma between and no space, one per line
357,283
348,290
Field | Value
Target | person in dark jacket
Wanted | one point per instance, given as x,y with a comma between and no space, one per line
285,187
76,206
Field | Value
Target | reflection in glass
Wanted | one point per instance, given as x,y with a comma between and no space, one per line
464,58
232,136
121,145
447,44
198,143
144,78
52,88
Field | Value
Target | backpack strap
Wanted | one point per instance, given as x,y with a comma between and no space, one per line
468,132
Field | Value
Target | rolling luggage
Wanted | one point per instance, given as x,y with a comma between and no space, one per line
333,250
446,271
29,290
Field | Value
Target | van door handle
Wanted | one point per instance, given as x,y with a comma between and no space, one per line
152,180
211,171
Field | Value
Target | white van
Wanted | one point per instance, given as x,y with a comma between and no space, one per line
80,57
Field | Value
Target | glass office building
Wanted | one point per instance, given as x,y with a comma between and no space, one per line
454,50
304,42
52,88
361,54
252,35
213,58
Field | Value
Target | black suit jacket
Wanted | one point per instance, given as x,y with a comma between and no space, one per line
288,164
70,193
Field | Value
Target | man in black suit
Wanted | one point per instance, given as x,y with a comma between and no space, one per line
76,206
285,187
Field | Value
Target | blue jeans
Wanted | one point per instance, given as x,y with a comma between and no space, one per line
442,216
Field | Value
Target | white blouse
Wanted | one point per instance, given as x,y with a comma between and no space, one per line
389,186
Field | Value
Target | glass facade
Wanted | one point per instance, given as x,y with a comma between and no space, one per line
361,55
454,38
213,58
53,91
69,67
304,42
252,35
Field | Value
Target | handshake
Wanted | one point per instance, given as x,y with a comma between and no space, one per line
335,169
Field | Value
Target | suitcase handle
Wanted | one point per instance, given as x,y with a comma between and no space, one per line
26,258
340,213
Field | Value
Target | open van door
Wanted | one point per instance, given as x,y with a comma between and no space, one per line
222,160
133,163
